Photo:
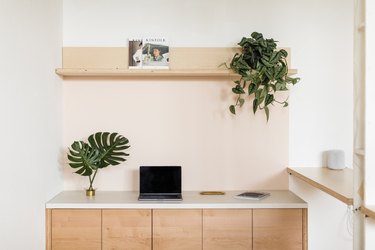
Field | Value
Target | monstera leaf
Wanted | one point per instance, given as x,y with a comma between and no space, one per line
83,157
103,149
110,147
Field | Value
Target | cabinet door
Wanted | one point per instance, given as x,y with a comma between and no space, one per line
126,229
177,229
76,229
225,229
279,229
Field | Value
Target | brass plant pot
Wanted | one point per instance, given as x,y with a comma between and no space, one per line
90,192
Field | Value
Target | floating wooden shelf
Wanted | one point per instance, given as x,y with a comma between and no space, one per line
337,183
149,73
369,211
113,62
144,73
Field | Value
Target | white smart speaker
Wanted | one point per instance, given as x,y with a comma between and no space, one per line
335,159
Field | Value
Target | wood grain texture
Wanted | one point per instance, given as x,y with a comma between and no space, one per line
277,229
225,229
95,57
117,57
177,229
304,228
337,183
113,61
126,229
128,73
369,211
48,229
76,229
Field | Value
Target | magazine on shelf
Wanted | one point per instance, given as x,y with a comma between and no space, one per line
252,195
148,53
135,53
155,53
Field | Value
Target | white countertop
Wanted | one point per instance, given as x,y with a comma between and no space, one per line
191,199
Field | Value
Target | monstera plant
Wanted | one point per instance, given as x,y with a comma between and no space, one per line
102,150
263,71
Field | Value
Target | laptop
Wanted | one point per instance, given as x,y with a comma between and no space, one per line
160,183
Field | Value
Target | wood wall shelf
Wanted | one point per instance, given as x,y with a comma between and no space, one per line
113,62
337,183
369,211
149,73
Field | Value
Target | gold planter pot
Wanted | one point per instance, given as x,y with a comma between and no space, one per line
90,192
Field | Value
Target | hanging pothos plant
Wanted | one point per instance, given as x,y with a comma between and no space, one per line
263,71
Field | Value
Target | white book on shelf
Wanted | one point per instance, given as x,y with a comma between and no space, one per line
135,53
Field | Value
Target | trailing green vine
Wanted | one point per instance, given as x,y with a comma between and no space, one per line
263,70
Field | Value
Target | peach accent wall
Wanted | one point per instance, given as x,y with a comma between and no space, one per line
178,122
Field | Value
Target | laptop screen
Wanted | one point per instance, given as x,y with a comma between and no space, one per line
160,180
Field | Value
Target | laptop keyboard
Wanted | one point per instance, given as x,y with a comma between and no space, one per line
160,197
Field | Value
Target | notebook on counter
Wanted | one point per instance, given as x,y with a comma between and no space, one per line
160,183
252,195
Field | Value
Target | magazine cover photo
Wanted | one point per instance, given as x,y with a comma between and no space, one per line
155,53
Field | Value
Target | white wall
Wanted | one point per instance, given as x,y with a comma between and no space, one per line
321,112
370,104
330,222
172,122
369,233
30,110
370,123
169,121
320,34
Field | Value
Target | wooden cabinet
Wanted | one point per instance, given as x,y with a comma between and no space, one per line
164,229
278,229
177,229
225,229
126,229
76,229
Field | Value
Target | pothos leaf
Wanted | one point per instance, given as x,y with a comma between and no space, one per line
267,111
232,109
241,101
252,88
264,68
269,99
283,52
238,90
255,105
